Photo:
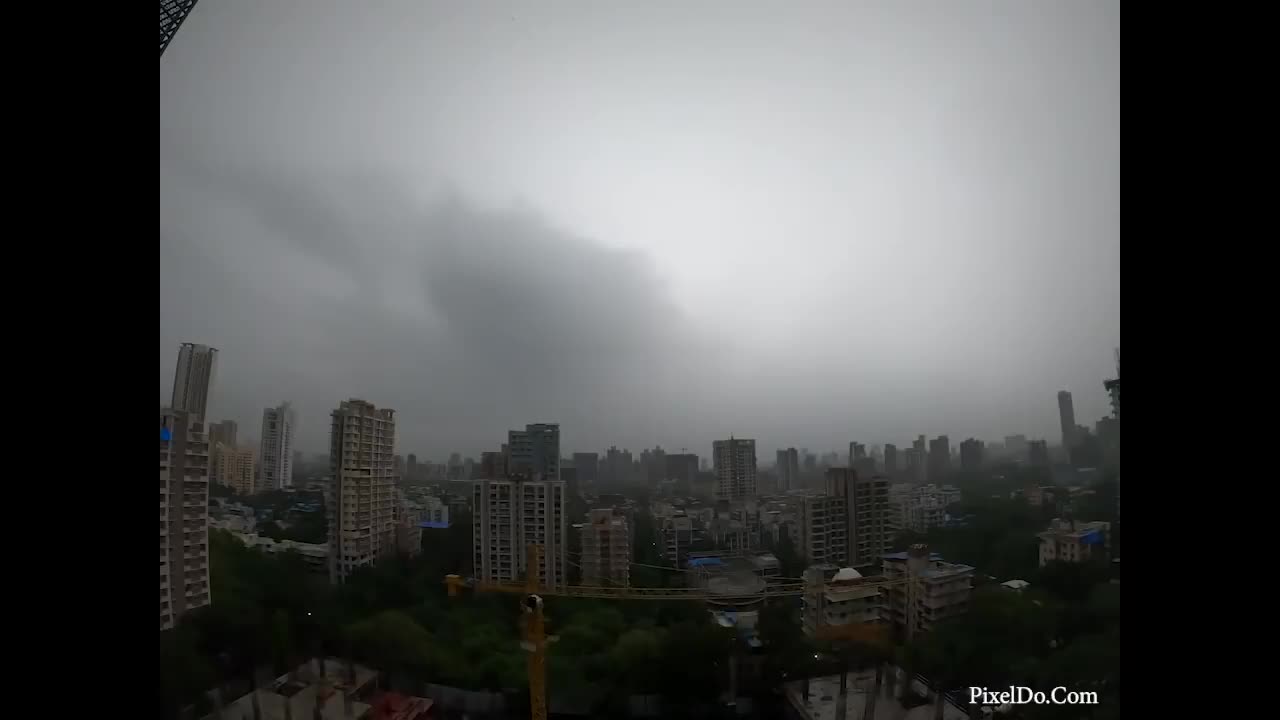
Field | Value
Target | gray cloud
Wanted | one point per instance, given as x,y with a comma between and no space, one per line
655,222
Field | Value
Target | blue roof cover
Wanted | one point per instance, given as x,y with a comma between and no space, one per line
1093,538
433,525
699,562
165,435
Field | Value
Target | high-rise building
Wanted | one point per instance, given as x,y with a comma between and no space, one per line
277,447
682,468
360,500
1038,453
939,458
235,468
197,367
493,465
788,470
890,459
411,466
870,525
510,515
606,549
824,529
971,454
588,465
1016,445
1067,417
222,432
184,515
735,463
857,451
535,451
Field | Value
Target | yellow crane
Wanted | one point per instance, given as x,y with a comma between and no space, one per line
533,621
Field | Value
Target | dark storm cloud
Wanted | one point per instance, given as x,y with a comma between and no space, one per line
467,321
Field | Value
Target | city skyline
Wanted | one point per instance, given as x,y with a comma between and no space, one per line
501,216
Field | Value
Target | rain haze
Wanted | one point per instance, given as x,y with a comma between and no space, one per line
654,223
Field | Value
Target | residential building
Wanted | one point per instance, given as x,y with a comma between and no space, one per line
508,516
1016,445
315,555
184,515
870,528
435,512
920,509
971,455
222,432
606,549
277,447
1038,453
1075,542
939,458
361,498
677,537
411,466
534,453
193,379
839,596
824,529
408,517
1067,418
788,470
493,465
735,466
235,468
941,591
890,459
683,468
588,465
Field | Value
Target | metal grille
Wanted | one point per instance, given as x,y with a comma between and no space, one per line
172,13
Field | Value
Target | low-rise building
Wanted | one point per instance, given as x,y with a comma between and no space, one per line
941,589
315,555
920,509
839,596
1076,542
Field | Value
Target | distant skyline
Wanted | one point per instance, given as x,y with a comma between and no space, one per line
658,223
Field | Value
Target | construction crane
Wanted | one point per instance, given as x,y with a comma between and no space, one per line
172,13
534,638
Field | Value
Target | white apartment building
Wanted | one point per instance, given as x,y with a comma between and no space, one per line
921,508
606,549
278,426
508,516
1074,542
435,511
360,501
940,589
735,468
235,468
197,367
843,599
184,515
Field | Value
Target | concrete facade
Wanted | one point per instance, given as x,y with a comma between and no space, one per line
360,501
184,515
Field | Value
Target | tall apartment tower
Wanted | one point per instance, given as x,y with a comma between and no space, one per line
606,549
788,469
277,447
972,453
588,465
939,458
535,451
360,499
735,463
824,529
197,366
235,468
509,515
1067,418
870,530
890,459
184,515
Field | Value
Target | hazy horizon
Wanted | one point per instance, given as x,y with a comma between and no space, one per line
655,224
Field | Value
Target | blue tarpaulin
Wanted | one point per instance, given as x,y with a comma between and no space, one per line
1093,538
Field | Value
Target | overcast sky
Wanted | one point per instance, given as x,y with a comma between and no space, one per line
653,223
